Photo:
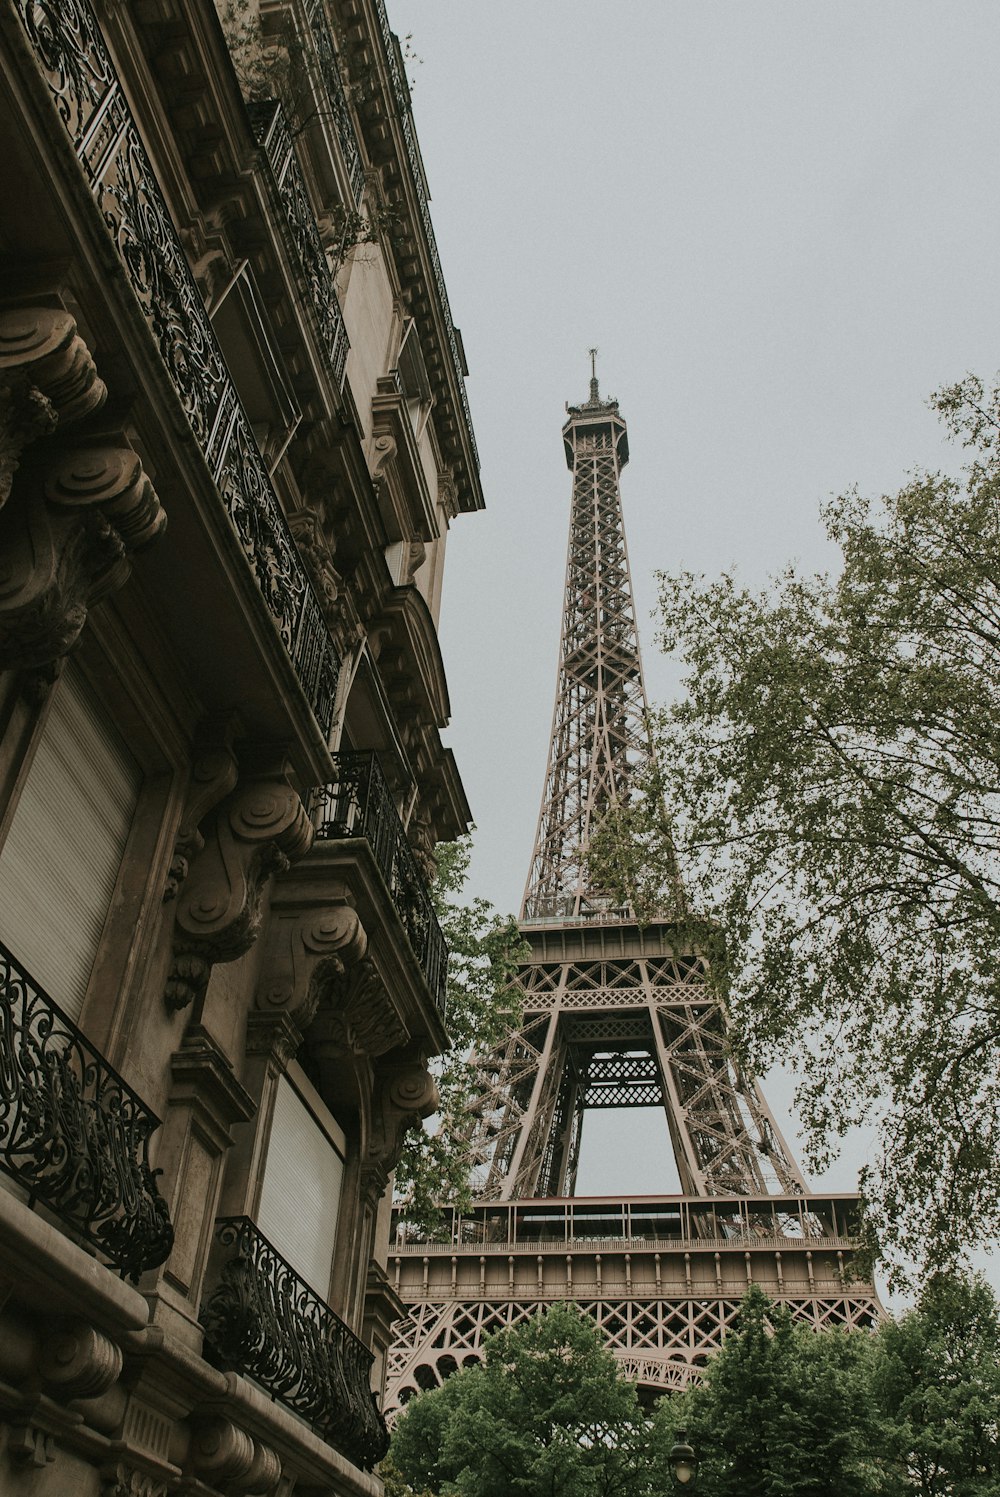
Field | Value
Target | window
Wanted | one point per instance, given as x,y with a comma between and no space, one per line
300,1195
60,862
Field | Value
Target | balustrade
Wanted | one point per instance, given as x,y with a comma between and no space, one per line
263,1321
358,804
72,1133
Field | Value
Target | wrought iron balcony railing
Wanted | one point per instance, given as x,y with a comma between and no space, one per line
358,804
329,66
72,1133
263,1321
91,105
270,130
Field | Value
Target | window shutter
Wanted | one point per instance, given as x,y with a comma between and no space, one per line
300,1195
60,862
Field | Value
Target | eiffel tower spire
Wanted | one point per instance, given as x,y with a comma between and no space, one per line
599,725
615,1015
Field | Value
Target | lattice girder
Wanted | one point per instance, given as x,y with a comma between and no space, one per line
664,1307
521,1143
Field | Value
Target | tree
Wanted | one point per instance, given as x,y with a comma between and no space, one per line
545,1415
936,1385
784,1411
832,777
484,949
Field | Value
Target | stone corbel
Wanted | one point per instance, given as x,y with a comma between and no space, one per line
383,452
308,528
79,1361
307,951
447,492
47,378
225,1457
405,1092
66,538
254,833
356,1013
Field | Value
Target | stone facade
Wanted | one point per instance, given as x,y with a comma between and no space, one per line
233,435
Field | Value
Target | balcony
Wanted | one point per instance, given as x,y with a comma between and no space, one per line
358,804
263,1321
73,1134
270,130
91,110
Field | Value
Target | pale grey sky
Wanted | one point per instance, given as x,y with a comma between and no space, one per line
778,220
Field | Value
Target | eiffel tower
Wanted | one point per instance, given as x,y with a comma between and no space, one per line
615,1015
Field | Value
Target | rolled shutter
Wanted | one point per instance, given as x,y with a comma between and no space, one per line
60,862
300,1195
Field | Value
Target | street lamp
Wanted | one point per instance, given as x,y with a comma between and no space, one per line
683,1461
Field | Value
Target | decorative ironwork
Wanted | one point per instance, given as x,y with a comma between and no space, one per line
89,100
73,1134
333,83
402,96
262,1320
358,804
271,133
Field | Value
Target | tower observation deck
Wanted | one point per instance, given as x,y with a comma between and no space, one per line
615,1015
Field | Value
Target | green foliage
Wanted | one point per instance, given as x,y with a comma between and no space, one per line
936,1387
833,779
784,1411
484,950
545,1415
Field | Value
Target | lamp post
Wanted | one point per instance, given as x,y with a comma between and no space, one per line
683,1461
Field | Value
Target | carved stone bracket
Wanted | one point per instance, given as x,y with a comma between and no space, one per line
356,1012
253,834
312,535
225,1456
80,1361
65,541
47,377
308,950
404,1093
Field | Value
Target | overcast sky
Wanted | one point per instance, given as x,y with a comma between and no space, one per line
779,222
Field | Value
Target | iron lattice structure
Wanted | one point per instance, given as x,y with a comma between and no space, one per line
614,1015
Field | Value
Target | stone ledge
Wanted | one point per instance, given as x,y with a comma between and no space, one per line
40,1266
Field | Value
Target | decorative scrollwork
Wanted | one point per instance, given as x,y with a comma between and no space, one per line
271,133
73,1133
263,1320
358,804
87,94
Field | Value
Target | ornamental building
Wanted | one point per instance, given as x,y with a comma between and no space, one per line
233,436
